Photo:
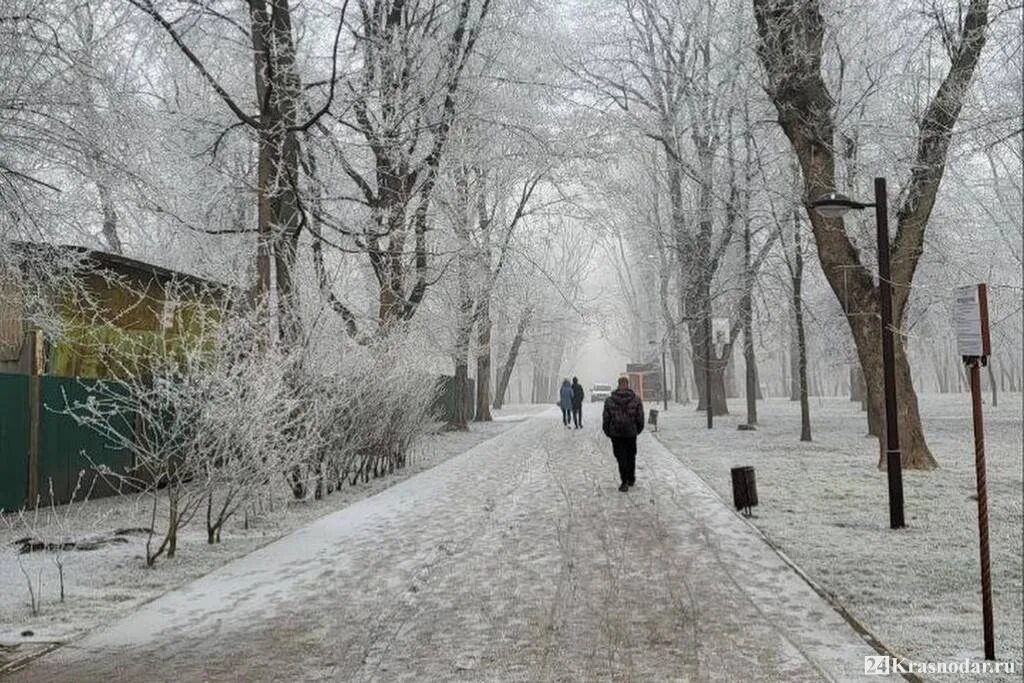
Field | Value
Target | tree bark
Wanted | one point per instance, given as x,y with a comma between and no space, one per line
719,405
463,340
794,360
460,420
747,321
682,391
798,324
730,377
513,354
857,390
483,364
750,366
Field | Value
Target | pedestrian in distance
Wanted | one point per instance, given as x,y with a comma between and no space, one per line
622,421
565,402
577,404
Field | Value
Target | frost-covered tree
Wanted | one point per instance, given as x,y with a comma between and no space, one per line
791,39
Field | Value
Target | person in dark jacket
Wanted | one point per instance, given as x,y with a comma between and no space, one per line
577,403
622,421
565,401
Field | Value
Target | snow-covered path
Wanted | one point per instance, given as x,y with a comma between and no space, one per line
517,560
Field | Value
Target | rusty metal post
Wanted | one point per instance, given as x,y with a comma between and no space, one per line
894,464
979,466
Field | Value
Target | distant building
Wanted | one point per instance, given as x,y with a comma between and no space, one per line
645,380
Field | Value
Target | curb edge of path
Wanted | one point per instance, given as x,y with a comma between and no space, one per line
18,664
858,627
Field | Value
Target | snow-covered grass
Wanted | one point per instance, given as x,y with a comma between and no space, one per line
112,580
825,504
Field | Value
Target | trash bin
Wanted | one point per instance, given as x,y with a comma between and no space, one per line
744,488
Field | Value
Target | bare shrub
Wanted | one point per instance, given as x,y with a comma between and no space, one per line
367,413
211,423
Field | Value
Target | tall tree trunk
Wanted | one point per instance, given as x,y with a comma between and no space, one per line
463,340
794,360
798,324
730,377
538,389
747,320
856,384
750,365
286,214
513,353
718,403
783,372
460,418
681,388
911,436
289,306
260,33
483,364
264,239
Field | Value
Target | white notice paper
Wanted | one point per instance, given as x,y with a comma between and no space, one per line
967,321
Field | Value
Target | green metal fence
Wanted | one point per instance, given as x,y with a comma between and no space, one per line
67,448
14,436
64,447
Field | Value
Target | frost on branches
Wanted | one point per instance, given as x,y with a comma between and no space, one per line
215,422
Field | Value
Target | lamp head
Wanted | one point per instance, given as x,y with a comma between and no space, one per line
835,204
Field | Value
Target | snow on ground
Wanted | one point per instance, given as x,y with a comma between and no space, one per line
826,506
108,582
517,560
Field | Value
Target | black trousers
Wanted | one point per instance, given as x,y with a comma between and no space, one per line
566,412
624,449
577,415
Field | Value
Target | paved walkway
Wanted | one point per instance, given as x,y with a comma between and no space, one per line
517,560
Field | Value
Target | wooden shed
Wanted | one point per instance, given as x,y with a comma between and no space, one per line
105,308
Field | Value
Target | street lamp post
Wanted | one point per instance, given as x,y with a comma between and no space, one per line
833,205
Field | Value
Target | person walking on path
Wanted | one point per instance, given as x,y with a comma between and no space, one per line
622,421
565,401
577,403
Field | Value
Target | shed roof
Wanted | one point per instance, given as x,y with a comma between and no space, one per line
120,263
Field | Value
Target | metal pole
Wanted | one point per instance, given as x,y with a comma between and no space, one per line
894,466
707,366
664,376
979,466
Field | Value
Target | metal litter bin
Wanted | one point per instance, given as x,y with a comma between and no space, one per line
744,488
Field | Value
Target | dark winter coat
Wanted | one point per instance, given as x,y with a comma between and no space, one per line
623,415
577,396
565,396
